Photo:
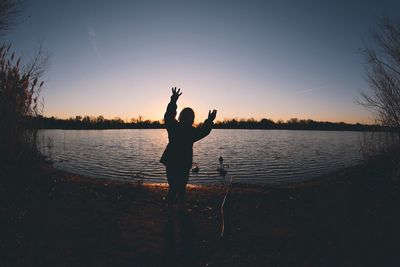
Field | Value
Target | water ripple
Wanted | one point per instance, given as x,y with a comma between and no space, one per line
254,156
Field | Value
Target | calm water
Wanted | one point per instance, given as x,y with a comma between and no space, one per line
253,156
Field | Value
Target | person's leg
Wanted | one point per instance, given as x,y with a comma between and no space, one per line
172,191
181,187
172,186
171,195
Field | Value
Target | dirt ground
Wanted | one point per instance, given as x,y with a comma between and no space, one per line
53,218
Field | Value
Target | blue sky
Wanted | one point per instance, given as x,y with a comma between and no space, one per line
261,59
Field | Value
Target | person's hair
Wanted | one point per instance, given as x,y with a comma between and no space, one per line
186,116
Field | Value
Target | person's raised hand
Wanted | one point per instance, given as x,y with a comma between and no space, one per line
175,94
212,115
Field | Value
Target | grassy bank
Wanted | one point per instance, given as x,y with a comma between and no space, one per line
348,218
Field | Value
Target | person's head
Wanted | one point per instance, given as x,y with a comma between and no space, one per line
186,117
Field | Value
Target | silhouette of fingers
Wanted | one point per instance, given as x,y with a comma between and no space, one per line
212,115
176,92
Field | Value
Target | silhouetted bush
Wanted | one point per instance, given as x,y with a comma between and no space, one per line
383,74
19,101
382,53
377,145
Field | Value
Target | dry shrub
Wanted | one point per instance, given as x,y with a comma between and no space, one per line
382,148
20,87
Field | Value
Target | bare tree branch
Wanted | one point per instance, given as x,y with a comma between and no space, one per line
383,74
9,11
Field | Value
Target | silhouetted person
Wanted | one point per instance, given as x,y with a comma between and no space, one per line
178,156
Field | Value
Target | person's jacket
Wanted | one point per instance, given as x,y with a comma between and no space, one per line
179,151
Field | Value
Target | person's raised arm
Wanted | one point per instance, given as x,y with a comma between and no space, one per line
206,128
170,114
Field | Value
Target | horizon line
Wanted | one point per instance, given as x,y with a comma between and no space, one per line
143,119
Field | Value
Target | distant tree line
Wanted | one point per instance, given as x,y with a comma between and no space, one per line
99,122
296,124
93,122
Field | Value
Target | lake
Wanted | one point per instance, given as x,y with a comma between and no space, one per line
253,156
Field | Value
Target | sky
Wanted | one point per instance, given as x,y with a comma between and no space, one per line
247,59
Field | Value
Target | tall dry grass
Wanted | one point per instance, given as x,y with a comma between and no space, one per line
382,147
20,101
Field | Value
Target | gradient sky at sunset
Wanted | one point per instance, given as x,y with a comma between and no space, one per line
261,59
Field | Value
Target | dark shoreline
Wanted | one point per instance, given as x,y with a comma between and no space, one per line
347,218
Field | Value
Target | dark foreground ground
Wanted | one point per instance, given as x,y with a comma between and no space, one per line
348,218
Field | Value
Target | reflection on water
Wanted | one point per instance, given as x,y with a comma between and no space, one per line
253,156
